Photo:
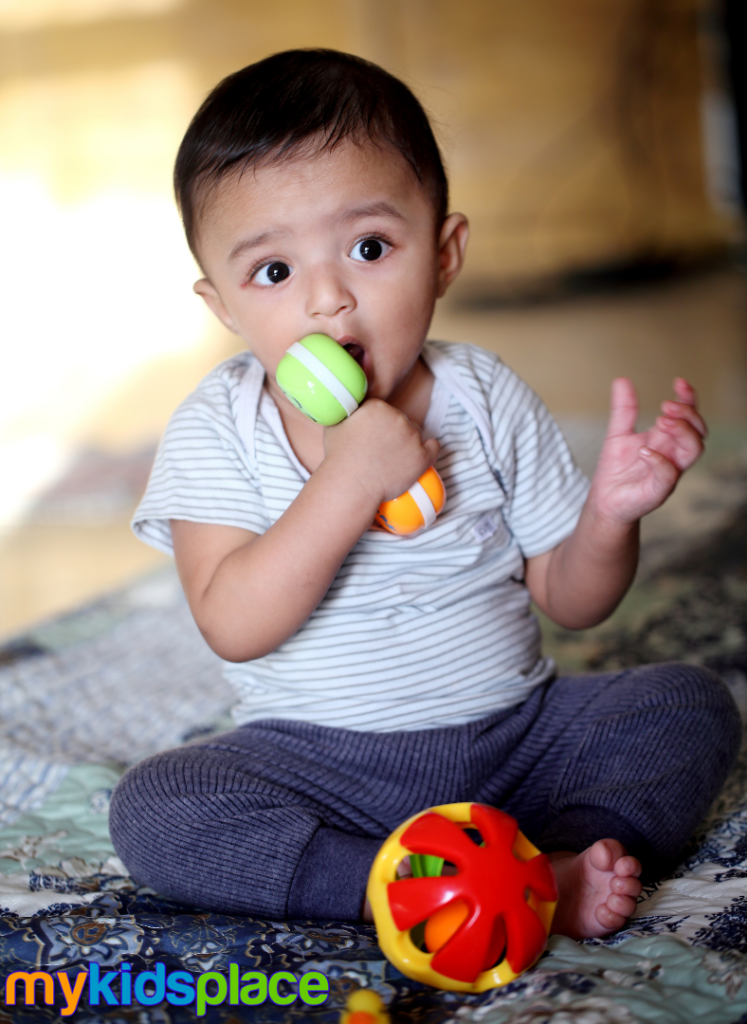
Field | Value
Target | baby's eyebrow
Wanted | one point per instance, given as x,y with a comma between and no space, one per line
251,243
378,209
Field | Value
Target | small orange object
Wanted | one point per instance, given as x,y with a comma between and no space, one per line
364,1006
443,924
416,508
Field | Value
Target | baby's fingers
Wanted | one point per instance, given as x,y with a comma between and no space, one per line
685,392
684,411
665,472
687,439
432,447
623,408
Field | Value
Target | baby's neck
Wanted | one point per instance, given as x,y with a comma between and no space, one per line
413,398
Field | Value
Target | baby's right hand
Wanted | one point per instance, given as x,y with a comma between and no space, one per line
379,450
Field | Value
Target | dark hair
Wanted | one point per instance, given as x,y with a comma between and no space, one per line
272,108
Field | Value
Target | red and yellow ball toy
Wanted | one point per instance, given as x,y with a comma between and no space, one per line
477,928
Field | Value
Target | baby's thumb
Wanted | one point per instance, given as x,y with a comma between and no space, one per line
432,447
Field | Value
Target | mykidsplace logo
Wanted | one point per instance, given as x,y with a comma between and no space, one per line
179,988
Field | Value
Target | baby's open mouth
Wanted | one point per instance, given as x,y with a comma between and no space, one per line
355,351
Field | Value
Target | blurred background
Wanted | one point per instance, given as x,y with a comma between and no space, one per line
595,147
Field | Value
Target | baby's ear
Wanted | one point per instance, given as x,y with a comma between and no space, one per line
210,294
452,244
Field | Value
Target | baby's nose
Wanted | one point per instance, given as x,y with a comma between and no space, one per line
329,294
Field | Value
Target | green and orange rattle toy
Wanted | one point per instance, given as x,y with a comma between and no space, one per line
324,381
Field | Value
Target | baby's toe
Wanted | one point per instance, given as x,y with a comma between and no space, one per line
627,865
626,885
623,905
609,919
605,853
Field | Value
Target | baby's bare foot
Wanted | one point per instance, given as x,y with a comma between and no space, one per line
597,890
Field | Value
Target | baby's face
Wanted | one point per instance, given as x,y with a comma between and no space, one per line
342,243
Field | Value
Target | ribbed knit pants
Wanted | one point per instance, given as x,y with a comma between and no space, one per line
283,819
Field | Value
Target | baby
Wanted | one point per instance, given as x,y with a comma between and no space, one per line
379,675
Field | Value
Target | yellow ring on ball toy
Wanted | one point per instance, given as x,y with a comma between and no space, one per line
398,946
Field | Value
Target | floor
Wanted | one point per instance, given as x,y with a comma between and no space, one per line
75,542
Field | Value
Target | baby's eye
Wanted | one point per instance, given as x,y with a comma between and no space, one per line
369,249
272,273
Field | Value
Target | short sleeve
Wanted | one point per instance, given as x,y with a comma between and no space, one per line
545,488
202,472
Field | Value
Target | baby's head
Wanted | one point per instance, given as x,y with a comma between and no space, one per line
299,103
314,197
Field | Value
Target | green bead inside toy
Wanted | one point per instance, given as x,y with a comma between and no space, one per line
311,395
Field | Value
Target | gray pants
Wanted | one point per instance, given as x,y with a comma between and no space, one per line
283,819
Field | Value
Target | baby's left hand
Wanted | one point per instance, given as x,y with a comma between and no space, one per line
636,473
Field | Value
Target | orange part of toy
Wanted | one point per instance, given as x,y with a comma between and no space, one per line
413,510
485,924
441,926
361,1017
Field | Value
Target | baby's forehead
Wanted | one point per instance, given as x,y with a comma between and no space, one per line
303,163
349,176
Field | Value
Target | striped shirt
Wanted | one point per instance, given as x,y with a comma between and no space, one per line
415,632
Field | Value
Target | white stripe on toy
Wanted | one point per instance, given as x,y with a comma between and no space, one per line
325,376
424,503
